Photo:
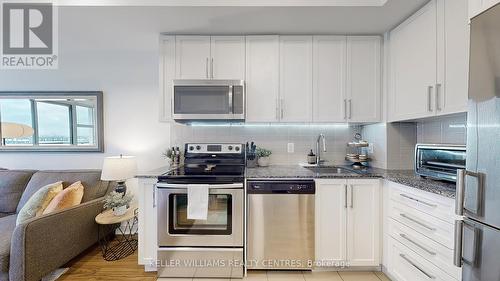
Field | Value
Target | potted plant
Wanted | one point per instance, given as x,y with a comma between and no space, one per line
117,202
263,155
169,154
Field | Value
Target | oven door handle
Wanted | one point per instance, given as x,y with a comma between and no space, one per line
211,186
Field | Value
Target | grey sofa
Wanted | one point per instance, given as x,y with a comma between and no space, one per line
35,248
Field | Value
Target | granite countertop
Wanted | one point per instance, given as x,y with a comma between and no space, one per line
404,177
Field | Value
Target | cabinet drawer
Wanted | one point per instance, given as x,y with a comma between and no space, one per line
406,265
429,203
434,252
436,229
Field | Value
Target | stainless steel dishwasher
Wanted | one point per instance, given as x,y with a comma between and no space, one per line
280,224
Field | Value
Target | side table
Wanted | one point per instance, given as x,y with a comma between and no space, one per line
122,245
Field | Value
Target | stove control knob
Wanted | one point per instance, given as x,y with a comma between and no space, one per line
230,147
237,148
191,148
198,147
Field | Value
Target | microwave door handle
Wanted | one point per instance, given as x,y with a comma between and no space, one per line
230,99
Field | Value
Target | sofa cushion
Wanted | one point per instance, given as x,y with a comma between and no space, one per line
7,226
91,180
39,201
69,197
12,185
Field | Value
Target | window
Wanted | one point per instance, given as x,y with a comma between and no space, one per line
51,121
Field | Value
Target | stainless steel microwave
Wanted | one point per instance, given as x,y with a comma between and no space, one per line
208,100
439,161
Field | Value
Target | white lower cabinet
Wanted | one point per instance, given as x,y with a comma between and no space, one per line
147,228
347,222
418,234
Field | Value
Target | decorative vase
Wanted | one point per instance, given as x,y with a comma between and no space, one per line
263,161
120,211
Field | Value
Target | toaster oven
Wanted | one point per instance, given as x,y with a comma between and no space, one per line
439,161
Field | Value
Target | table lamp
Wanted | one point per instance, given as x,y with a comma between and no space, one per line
9,130
119,169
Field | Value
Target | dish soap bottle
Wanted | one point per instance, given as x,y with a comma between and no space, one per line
311,157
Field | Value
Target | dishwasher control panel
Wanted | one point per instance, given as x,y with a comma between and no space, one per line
280,187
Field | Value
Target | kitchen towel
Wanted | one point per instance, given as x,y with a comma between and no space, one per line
197,208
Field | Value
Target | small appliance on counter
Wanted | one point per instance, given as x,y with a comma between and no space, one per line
218,170
439,161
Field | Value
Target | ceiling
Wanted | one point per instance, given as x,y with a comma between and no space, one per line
265,20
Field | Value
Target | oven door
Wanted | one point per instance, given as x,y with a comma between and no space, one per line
223,228
208,100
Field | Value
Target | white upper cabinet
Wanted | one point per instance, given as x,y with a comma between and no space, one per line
453,53
478,6
329,79
167,74
210,57
413,65
363,79
228,57
296,78
192,57
429,62
262,78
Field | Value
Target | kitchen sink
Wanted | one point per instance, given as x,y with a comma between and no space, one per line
329,170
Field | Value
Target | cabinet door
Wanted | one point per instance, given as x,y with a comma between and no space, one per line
228,57
329,66
363,222
147,224
363,78
296,78
262,78
413,65
192,57
330,222
167,70
453,57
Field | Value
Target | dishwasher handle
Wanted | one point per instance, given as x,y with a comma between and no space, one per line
281,187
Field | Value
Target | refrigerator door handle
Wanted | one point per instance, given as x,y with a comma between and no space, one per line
457,249
460,193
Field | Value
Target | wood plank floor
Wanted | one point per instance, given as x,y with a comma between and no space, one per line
90,266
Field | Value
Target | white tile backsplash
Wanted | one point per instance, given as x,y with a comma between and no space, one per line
444,130
274,137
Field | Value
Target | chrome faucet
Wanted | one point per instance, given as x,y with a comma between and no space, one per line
318,152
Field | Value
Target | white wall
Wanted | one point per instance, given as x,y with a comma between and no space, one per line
116,52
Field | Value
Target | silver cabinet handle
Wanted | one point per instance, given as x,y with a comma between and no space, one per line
345,108
460,192
277,109
352,196
438,107
345,196
282,106
206,68
350,108
429,98
404,236
154,196
417,222
417,200
230,99
212,68
457,249
416,266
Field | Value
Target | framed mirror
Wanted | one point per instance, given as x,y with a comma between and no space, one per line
51,121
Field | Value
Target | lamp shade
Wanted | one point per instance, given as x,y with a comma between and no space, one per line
119,168
15,130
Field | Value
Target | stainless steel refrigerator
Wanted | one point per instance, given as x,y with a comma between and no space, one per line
477,236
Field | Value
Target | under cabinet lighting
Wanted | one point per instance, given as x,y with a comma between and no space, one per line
267,125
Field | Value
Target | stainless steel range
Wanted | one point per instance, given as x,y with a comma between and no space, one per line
203,248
